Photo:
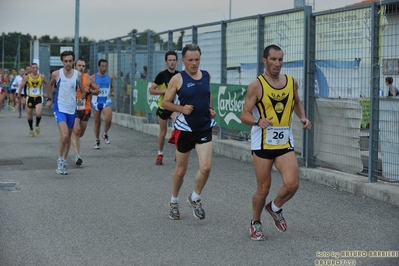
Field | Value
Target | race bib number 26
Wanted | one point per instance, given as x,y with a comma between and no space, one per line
277,135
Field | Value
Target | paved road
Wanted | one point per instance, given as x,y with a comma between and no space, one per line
114,209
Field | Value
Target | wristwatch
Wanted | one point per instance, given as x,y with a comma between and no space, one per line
256,121
90,91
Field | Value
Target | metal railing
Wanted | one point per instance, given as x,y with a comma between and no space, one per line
339,57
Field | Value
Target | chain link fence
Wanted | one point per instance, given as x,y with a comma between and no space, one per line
339,57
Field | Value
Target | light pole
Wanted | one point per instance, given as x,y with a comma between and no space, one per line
77,4
19,51
230,10
2,54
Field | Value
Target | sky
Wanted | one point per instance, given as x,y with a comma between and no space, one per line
102,20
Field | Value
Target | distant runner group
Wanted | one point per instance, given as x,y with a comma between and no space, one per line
73,94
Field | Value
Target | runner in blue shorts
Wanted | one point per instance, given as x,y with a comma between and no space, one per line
102,103
66,81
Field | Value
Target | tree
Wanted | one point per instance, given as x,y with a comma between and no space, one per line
133,31
45,39
179,45
11,41
142,39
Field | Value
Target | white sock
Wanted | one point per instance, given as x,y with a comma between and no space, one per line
274,207
175,200
160,152
195,196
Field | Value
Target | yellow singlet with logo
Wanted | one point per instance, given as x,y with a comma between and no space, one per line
279,104
34,86
163,86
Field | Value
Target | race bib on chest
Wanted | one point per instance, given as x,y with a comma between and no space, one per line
277,135
34,92
102,95
103,92
82,105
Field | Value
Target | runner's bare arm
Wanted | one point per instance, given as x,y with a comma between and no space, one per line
46,83
94,88
174,84
111,87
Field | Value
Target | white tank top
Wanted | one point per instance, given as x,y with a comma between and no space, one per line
66,93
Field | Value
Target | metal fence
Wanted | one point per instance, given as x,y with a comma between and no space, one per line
49,55
339,57
231,52
355,52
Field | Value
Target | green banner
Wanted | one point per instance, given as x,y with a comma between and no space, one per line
143,101
227,100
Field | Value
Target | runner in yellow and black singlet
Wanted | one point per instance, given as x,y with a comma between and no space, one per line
270,100
34,82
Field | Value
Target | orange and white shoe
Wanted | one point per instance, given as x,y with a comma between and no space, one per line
279,220
256,232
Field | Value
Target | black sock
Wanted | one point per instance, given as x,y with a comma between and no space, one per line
38,118
30,122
